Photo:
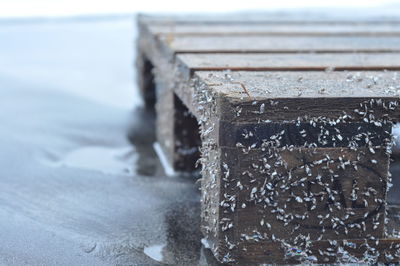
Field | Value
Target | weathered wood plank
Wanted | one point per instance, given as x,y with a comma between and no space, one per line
187,138
312,109
304,174
178,29
304,84
259,97
251,18
353,251
264,197
278,134
280,44
165,114
287,62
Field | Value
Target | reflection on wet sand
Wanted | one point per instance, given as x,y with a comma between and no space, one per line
141,134
182,243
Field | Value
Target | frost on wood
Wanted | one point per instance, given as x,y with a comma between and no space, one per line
294,164
309,189
322,200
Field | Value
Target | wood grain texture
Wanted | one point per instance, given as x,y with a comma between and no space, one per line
274,18
272,252
285,134
235,29
280,44
288,62
303,84
249,182
310,109
291,95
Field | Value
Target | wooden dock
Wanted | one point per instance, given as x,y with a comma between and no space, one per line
291,123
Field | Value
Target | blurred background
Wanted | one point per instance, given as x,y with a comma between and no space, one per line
79,181
54,8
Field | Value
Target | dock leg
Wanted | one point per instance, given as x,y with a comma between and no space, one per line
145,81
177,130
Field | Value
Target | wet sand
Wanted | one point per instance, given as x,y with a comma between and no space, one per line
80,183
74,190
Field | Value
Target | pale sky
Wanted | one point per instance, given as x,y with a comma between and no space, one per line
39,8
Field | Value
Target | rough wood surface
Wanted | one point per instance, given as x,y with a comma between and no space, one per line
304,173
280,44
248,218
288,62
251,18
218,29
254,97
278,134
343,252
303,84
